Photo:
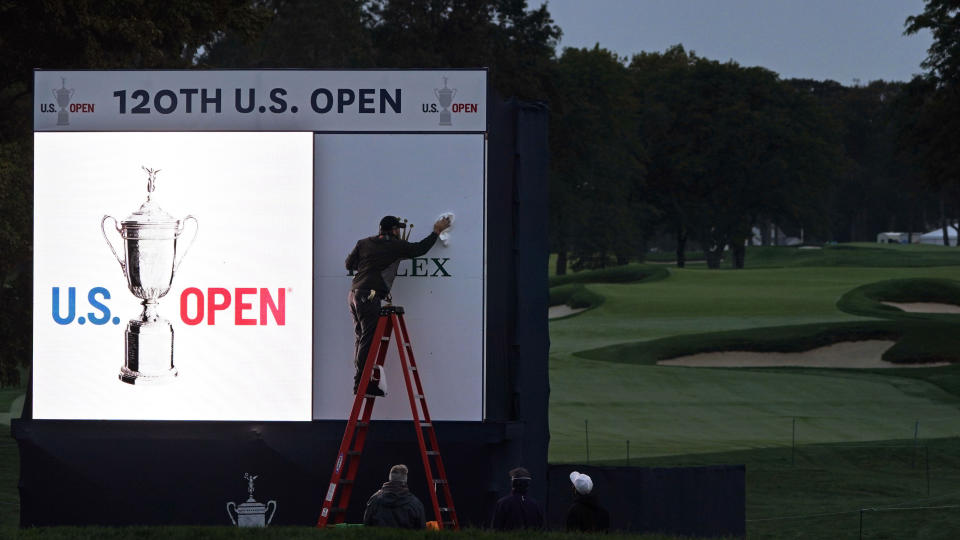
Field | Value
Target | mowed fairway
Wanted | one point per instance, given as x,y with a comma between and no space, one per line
680,411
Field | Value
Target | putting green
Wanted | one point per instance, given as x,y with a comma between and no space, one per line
673,410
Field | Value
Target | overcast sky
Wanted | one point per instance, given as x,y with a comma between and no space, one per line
841,40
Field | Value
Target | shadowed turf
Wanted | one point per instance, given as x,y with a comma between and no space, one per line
814,440
728,407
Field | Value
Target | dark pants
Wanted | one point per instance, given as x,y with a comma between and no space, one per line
366,313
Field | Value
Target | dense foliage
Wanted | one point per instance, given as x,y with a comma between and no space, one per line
663,150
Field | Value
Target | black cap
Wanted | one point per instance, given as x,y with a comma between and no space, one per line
520,473
390,223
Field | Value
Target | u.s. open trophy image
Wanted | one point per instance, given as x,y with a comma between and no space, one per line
445,97
150,261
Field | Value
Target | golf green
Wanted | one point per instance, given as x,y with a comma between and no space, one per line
674,410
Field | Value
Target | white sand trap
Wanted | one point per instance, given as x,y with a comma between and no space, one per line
555,312
848,354
924,307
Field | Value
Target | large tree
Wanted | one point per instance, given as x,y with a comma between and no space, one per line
942,19
671,131
79,34
730,147
301,34
515,42
935,97
597,205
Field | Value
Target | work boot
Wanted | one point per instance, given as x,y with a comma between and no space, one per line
373,389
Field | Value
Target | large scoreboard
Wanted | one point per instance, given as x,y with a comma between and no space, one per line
190,231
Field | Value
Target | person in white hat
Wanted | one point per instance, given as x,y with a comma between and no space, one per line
585,514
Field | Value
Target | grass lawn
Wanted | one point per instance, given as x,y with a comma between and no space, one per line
843,422
671,410
693,301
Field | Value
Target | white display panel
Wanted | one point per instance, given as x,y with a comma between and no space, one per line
359,179
251,194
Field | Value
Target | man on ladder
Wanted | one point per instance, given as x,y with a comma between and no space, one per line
374,261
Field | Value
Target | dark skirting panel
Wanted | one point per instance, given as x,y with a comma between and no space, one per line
688,501
185,473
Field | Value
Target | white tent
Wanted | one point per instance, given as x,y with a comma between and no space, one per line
936,236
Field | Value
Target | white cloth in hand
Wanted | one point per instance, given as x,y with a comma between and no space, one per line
445,234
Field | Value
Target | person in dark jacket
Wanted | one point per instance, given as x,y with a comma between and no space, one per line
374,262
517,510
393,505
585,514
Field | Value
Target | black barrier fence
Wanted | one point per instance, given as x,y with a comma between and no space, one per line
159,473
186,473
690,501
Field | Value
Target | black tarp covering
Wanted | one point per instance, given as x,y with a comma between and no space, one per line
153,473
150,472
689,501
518,388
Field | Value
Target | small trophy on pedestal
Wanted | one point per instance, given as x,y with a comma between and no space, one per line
251,513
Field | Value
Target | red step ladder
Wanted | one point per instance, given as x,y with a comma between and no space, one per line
348,457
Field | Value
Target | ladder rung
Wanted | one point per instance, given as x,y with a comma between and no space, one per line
401,336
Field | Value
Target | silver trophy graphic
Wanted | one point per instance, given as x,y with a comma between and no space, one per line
251,513
445,97
150,261
63,95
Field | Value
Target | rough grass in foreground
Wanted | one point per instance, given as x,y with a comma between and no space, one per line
284,533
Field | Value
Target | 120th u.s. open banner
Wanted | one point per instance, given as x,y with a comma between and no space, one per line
190,231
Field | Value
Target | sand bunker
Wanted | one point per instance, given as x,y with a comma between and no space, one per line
848,354
924,307
555,312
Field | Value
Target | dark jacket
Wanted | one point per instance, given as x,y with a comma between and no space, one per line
374,260
517,511
585,514
394,506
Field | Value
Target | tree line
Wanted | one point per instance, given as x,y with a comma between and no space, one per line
663,150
